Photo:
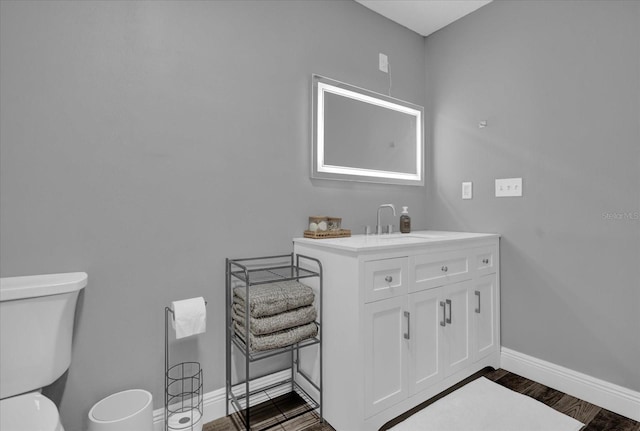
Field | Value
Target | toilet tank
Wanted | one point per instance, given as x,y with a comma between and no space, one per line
36,327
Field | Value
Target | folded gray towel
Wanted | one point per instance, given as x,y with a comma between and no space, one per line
277,339
277,322
274,298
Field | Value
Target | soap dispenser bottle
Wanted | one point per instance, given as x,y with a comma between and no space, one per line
405,221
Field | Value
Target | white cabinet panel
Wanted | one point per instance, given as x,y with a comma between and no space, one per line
425,354
486,260
435,269
484,315
385,354
385,278
456,329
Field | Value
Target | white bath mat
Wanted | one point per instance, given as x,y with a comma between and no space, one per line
483,405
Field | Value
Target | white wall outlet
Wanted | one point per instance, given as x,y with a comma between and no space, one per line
467,190
383,63
508,187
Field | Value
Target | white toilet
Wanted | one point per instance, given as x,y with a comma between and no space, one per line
36,326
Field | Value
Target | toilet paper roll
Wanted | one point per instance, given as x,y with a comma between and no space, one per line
190,420
189,317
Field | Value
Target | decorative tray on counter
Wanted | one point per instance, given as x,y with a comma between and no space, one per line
337,233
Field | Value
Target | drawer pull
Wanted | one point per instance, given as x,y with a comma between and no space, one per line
407,335
478,295
444,313
388,279
448,301
485,261
444,269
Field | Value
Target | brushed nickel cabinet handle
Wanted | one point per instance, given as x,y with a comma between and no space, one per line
448,301
388,279
478,295
407,335
485,261
444,269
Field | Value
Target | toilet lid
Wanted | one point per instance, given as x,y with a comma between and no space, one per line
32,411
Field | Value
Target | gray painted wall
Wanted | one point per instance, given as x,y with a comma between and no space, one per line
559,85
144,142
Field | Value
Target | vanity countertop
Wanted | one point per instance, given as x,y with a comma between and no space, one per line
358,243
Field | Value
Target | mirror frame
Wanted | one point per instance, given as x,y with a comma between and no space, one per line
319,169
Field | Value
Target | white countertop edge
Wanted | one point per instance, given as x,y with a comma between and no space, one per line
360,243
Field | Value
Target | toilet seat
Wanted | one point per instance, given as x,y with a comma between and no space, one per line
29,412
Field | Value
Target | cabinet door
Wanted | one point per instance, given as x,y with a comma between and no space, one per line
456,330
425,354
484,316
385,355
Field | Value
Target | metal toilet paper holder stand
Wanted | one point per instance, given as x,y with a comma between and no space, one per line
183,397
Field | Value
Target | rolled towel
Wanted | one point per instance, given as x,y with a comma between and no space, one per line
278,339
277,322
273,298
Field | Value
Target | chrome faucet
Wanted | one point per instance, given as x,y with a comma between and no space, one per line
378,225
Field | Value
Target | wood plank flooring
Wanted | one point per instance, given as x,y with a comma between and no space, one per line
286,412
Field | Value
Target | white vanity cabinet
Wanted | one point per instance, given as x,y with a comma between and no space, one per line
404,318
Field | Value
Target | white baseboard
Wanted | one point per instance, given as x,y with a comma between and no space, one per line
612,397
214,402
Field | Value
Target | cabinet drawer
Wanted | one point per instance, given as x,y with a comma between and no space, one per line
433,270
385,278
486,260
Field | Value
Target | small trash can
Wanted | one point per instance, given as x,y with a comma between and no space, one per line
123,411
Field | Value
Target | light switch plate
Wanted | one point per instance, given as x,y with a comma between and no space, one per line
467,190
508,187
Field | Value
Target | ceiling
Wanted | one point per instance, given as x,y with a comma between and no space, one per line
423,16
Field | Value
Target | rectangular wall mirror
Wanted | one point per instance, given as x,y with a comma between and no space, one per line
360,135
